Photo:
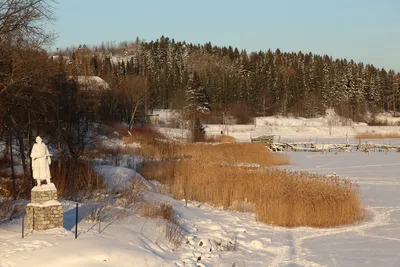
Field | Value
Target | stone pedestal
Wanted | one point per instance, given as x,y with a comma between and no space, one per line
44,212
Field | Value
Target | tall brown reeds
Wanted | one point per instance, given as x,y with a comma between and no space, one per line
161,171
153,144
231,174
280,197
75,177
234,153
220,139
377,136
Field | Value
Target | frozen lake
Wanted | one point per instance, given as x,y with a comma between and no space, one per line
375,242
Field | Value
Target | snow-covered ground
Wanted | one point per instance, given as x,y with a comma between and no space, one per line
292,130
285,129
214,237
137,241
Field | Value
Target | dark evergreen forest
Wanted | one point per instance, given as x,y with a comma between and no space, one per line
251,83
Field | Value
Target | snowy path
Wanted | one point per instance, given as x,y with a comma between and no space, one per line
135,241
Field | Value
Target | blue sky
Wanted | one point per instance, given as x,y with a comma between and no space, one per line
364,30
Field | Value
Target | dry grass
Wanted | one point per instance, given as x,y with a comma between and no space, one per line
228,154
23,186
280,197
120,129
277,197
131,194
162,211
4,162
234,153
153,144
10,209
215,174
220,139
230,244
161,171
174,231
146,133
75,178
377,136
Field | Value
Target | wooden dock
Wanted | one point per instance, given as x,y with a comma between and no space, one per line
339,147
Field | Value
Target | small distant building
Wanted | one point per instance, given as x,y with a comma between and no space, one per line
91,83
91,89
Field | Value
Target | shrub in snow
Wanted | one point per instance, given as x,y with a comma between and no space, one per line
10,209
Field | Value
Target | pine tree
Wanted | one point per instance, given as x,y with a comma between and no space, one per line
327,90
196,103
196,97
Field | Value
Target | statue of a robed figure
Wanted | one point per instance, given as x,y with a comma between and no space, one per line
45,211
41,161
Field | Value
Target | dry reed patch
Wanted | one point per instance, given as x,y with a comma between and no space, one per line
103,149
213,175
153,144
161,171
244,155
11,209
74,177
156,148
377,135
146,132
122,130
220,139
162,211
105,130
23,186
174,231
4,162
280,197
234,153
131,193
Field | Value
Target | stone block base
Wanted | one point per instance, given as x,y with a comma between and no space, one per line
44,212
42,194
44,216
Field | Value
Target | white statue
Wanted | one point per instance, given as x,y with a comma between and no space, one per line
40,161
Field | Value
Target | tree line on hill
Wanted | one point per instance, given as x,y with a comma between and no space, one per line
240,83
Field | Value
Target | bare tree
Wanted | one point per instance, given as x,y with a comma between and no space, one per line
23,20
133,92
23,65
21,29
